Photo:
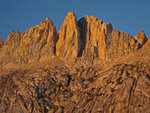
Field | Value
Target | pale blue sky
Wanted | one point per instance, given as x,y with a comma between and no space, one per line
129,16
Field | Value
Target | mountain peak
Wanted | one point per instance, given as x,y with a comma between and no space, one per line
47,22
71,13
37,43
47,19
141,37
88,38
70,17
14,35
69,44
87,67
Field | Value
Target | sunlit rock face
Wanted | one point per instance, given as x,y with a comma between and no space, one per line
69,43
123,44
88,38
87,68
57,86
100,40
141,37
35,44
93,36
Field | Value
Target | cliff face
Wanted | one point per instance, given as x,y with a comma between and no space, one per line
93,36
99,40
109,73
148,43
123,44
69,43
87,38
35,44
1,42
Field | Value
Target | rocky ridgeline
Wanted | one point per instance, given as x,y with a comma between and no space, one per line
35,44
111,83
88,38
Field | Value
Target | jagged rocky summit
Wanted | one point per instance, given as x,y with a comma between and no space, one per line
87,67
69,42
37,43
88,38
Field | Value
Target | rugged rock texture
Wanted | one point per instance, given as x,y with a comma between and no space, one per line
98,39
35,44
39,42
109,71
141,37
11,50
56,86
122,44
89,38
69,43
1,42
145,49
93,35
148,43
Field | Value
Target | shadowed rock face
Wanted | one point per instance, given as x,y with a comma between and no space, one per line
122,44
93,35
109,71
141,38
1,42
145,48
87,38
99,40
35,44
148,43
69,43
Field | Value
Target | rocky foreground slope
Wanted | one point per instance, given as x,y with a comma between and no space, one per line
87,67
